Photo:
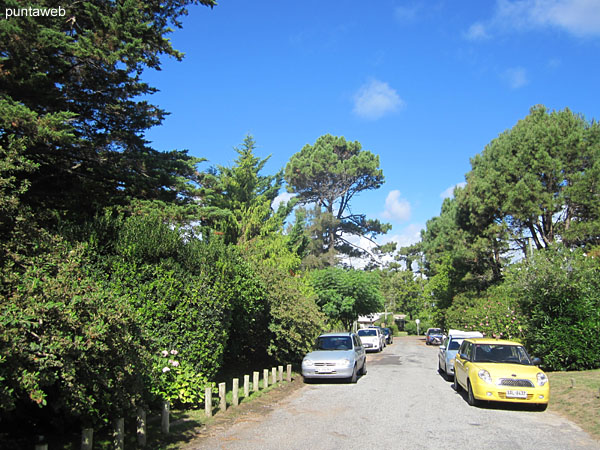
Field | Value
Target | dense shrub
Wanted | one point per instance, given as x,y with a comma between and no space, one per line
560,291
67,344
495,313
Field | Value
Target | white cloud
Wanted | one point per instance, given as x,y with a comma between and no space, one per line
409,235
375,99
281,198
578,17
516,77
449,193
477,32
396,208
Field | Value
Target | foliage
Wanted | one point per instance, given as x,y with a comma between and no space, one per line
558,288
345,294
72,114
403,291
177,380
67,344
295,319
529,178
238,199
494,313
329,174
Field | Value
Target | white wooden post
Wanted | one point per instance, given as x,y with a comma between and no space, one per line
40,444
280,374
246,386
141,426
236,391
265,378
289,372
222,401
164,426
255,376
208,401
87,438
274,375
118,433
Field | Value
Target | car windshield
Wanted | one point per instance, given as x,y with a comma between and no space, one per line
501,353
367,333
435,331
334,343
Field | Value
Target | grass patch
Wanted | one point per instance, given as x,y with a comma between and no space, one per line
576,396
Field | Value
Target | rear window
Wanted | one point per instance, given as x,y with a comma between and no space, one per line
334,343
367,333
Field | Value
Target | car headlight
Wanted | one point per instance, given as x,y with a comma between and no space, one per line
452,362
307,363
542,379
485,376
345,363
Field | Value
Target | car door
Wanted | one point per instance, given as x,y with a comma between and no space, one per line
359,351
442,354
460,363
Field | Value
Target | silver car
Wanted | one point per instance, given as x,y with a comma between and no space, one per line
449,348
336,355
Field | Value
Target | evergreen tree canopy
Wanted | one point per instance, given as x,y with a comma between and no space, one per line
329,174
72,108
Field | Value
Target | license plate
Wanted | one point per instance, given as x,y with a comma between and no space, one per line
368,345
323,371
516,394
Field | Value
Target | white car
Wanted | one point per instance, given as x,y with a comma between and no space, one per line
449,348
371,339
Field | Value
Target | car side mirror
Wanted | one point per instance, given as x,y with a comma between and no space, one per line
536,361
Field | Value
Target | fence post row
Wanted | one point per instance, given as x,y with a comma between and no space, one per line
141,427
235,391
208,401
87,434
164,425
222,401
255,376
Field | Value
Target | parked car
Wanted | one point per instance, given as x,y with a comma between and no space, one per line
433,336
381,335
449,348
389,335
371,339
336,355
501,371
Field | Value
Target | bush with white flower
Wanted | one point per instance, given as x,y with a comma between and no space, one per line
177,381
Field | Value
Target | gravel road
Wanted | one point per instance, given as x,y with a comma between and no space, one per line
402,403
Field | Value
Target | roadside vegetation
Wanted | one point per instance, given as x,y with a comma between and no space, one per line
576,396
131,276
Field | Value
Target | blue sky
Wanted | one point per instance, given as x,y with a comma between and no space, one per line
425,84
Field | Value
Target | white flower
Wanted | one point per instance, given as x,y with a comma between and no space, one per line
173,352
174,363
164,353
165,369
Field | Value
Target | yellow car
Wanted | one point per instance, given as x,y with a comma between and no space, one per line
501,371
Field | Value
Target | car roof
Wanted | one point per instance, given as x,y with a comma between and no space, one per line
492,341
339,334
464,334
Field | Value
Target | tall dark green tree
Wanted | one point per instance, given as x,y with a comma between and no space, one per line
72,107
531,176
329,174
238,200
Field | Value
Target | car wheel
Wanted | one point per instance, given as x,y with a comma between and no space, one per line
441,371
457,387
354,377
471,398
364,368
